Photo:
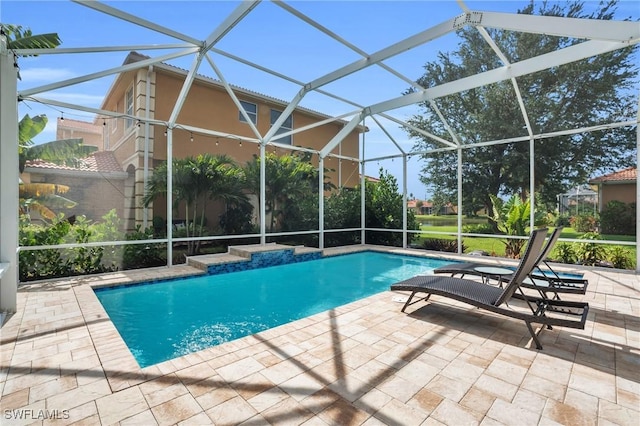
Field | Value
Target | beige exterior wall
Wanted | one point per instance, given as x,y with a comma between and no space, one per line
210,107
625,192
207,106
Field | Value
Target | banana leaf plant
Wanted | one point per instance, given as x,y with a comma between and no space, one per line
511,218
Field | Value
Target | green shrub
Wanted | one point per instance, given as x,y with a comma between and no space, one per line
55,263
479,228
562,220
442,244
584,223
589,252
143,255
564,253
619,257
618,218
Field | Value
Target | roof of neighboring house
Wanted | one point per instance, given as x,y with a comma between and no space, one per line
626,175
133,57
99,163
412,204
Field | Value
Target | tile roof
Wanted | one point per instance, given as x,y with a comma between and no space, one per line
629,174
98,162
134,56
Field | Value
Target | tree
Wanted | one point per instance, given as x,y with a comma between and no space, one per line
291,190
195,182
588,92
383,209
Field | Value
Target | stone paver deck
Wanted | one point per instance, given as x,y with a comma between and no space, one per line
63,362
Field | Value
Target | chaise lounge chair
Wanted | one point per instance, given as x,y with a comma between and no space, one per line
544,281
543,311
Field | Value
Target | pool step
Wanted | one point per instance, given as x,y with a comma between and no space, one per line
240,258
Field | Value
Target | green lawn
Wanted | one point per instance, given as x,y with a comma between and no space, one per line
493,245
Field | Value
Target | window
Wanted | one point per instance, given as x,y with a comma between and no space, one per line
128,108
252,112
287,126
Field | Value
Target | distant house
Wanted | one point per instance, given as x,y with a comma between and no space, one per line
91,134
424,207
618,186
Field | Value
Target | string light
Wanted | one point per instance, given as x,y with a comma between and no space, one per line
138,123
217,141
165,132
191,136
104,122
240,143
61,116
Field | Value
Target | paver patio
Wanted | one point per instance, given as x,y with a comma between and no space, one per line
63,362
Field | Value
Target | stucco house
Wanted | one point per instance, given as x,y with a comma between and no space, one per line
150,93
618,186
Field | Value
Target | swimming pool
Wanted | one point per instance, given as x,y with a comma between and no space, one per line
165,320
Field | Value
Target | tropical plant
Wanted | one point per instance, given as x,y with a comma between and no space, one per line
619,257
584,223
20,37
442,244
590,252
54,263
196,181
511,218
383,210
142,255
564,252
291,185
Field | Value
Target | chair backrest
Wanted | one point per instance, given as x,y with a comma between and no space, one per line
527,263
546,251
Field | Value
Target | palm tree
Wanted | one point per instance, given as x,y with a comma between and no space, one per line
196,181
289,178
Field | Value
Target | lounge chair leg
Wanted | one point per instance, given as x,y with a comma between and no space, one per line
408,302
534,335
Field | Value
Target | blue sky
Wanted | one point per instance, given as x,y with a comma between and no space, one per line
269,36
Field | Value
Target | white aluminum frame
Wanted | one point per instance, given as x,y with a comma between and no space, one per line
600,37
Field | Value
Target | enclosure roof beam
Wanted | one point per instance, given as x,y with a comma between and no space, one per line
230,21
101,7
233,96
594,29
116,70
100,49
342,41
528,66
348,128
386,53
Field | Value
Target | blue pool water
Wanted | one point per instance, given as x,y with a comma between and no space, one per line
164,320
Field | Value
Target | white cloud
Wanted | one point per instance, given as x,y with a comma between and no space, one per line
33,75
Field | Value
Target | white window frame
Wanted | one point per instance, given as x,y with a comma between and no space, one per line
253,115
287,140
129,107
